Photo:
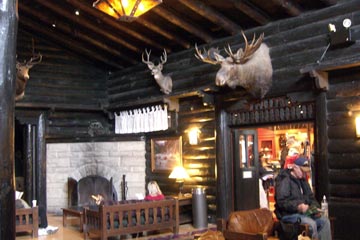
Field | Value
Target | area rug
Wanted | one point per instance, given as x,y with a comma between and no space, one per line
183,236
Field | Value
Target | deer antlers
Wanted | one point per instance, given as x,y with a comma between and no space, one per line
150,64
164,81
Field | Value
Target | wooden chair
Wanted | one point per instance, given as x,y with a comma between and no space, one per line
27,220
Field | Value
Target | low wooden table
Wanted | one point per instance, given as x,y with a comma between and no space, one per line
185,208
76,212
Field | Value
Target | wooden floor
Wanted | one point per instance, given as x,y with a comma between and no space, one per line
72,232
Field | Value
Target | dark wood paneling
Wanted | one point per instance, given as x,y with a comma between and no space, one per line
60,80
343,149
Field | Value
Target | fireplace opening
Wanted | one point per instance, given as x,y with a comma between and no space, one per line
80,192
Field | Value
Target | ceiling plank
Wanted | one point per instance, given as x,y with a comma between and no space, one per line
251,11
67,43
212,15
114,23
51,5
155,28
174,19
79,35
290,7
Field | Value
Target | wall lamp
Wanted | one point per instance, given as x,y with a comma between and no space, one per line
357,126
193,134
125,10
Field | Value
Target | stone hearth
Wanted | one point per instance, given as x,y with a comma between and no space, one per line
107,159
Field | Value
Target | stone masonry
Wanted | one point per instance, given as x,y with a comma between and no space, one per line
107,159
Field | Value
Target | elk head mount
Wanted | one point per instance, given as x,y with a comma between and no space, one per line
249,68
22,74
164,81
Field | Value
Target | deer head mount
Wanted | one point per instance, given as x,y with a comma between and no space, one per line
249,68
22,74
164,81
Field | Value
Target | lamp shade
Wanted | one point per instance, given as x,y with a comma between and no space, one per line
125,10
179,173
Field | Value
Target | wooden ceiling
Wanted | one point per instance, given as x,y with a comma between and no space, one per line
174,25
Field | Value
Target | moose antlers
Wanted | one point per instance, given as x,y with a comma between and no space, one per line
250,67
242,55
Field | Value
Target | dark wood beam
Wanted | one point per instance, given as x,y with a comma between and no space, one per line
212,15
115,24
51,5
251,11
67,43
329,2
155,28
79,35
8,36
292,8
174,19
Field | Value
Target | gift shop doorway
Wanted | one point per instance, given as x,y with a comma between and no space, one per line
259,153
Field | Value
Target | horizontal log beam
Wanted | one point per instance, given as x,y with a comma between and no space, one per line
176,20
212,15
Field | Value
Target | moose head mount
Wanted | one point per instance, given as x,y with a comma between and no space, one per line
164,81
22,74
249,68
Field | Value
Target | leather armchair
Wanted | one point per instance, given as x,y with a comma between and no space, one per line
255,224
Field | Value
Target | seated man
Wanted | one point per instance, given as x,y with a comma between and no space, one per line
295,200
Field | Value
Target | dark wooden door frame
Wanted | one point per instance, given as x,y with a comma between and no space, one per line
35,147
228,117
245,185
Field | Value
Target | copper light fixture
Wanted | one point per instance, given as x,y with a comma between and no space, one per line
125,10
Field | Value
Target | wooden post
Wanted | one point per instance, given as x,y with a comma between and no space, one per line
40,166
8,23
321,155
29,176
224,198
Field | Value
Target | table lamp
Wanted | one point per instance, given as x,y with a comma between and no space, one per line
180,174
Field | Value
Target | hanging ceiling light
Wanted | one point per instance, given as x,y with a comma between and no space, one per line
125,10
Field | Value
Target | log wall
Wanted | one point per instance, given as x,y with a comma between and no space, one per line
343,99
60,80
294,43
198,160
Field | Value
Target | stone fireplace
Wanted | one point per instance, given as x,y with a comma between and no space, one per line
106,159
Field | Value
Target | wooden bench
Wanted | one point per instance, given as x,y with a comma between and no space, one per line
131,217
27,220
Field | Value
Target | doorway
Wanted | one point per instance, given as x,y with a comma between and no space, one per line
260,153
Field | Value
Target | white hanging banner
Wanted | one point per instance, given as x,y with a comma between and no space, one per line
149,119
